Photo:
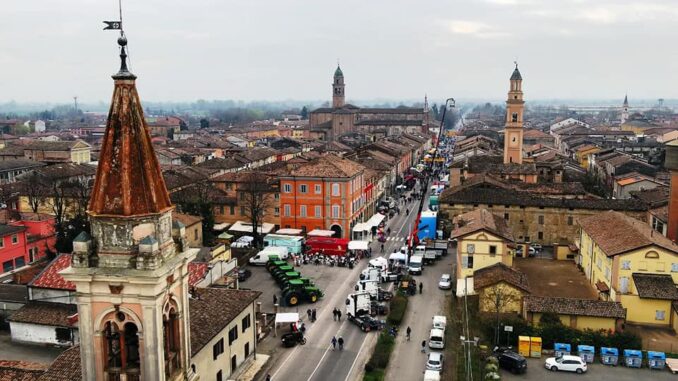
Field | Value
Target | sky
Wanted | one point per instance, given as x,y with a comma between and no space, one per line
184,50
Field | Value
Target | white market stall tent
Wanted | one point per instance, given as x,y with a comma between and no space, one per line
320,233
358,245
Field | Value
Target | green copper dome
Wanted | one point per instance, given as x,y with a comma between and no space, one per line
338,72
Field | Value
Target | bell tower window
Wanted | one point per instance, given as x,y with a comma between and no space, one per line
121,349
171,341
514,117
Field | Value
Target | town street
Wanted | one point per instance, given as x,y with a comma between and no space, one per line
316,360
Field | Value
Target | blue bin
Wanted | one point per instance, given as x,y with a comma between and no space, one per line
562,349
633,358
609,356
656,360
586,352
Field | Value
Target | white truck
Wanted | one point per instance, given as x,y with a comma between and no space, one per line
262,257
431,375
372,288
416,265
439,322
358,310
375,273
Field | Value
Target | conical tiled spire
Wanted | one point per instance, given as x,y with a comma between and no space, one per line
128,180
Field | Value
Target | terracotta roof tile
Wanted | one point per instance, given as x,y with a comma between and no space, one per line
481,219
499,272
616,233
186,219
329,166
46,313
580,307
655,286
197,272
50,277
21,370
66,367
213,311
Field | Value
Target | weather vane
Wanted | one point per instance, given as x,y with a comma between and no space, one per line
116,25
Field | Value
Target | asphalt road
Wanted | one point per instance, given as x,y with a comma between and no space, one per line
316,360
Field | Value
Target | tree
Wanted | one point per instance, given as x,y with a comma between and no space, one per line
197,200
204,123
499,298
304,112
255,197
32,187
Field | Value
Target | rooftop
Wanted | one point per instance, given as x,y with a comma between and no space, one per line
328,166
21,370
50,277
497,273
66,367
655,286
580,307
45,313
616,233
481,219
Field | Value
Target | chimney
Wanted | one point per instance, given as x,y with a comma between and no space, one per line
671,163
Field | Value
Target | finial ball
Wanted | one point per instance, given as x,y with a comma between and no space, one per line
122,41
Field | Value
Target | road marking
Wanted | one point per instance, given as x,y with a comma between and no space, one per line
341,328
285,362
357,355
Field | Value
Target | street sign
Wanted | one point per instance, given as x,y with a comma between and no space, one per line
508,328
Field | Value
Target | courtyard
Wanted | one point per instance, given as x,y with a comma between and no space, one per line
552,278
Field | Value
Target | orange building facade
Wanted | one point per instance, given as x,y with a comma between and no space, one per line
326,194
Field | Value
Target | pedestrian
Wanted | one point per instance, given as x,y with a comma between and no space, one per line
421,287
275,299
268,377
334,342
382,247
303,328
308,312
369,252
340,341
338,314
334,314
408,332
313,315
423,346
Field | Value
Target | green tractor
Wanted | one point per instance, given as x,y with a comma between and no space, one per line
274,262
305,281
296,292
277,271
283,278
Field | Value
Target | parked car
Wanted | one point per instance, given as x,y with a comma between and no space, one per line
530,251
536,246
434,361
567,363
243,274
445,282
512,361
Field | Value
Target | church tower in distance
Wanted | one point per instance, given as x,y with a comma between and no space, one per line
131,274
513,132
338,96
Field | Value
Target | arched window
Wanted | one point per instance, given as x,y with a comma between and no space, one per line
171,339
121,348
652,255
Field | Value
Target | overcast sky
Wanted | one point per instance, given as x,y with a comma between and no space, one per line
389,49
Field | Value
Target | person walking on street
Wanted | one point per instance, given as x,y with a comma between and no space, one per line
313,313
341,343
421,287
275,299
334,342
339,314
369,252
382,247
408,332
423,346
268,377
308,312
334,314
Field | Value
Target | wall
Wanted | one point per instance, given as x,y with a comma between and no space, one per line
512,303
37,334
643,311
481,256
206,367
51,295
11,251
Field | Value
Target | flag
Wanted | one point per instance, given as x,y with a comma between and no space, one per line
111,25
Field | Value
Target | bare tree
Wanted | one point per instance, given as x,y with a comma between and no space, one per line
499,298
34,189
255,197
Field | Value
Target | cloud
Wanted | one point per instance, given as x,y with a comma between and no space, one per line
474,28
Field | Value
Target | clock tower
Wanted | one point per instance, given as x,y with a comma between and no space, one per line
513,132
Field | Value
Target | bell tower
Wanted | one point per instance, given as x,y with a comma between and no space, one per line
338,96
625,110
131,276
513,131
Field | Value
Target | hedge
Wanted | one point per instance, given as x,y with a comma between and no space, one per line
375,369
397,310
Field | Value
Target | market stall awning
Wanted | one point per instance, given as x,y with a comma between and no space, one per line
374,221
221,226
246,227
359,227
286,317
358,245
320,233
289,231
224,235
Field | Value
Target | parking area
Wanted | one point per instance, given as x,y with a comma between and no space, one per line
596,372
552,278
660,339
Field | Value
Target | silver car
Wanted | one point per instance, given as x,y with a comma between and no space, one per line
435,361
445,282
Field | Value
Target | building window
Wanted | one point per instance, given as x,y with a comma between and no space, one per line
232,335
247,349
217,349
660,266
276,196
246,322
303,188
541,220
234,363
335,189
626,265
221,210
7,266
335,211
540,235
302,211
607,273
242,211
318,189
493,250
288,210
287,188
276,211
467,261
21,262
674,267
63,335
624,285
15,239
570,220
506,216
2,242
514,117
195,234
232,209
220,376
659,315
642,266
318,211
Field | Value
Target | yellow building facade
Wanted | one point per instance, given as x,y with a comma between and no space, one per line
480,250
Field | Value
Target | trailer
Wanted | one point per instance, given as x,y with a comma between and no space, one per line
327,246
439,245
372,288
430,257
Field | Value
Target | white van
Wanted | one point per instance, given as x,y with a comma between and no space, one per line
416,265
436,339
262,257
439,322
431,375
420,250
